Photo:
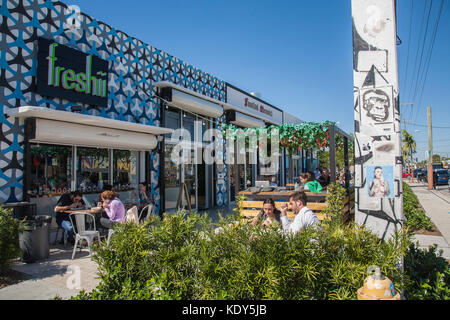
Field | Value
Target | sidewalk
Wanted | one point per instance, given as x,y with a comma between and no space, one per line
59,276
436,204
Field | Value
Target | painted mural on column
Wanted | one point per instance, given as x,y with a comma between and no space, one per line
133,69
378,160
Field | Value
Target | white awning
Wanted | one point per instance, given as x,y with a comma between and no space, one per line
247,121
62,127
191,101
226,106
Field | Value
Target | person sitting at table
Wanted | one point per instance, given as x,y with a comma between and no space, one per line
66,202
304,217
114,208
106,187
309,184
273,182
324,179
269,213
144,197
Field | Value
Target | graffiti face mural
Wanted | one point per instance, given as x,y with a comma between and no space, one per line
376,104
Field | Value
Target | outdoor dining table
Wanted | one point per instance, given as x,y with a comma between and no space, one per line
283,195
90,211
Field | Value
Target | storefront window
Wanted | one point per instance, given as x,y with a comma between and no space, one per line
188,124
51,169
172,119
172,178
126,175
92,169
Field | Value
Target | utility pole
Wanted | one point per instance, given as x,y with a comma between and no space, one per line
375,79
430,150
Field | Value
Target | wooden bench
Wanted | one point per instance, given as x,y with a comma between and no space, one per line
251,209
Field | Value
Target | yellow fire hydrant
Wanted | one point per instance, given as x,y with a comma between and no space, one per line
377,287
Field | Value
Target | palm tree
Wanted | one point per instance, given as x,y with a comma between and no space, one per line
408,147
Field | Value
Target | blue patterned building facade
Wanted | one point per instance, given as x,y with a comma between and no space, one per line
134,68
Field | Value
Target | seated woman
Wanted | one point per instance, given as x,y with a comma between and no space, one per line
114,208
309,183
269,213
145,198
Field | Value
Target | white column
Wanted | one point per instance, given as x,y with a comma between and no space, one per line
379,203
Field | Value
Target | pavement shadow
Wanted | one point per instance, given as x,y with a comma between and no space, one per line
58,263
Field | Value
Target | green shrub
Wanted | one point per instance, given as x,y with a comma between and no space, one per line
428,273
335,202
416,217
9,238
183,257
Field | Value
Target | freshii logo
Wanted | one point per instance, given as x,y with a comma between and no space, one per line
67,73
70,80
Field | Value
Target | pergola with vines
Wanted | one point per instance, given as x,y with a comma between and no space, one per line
303,136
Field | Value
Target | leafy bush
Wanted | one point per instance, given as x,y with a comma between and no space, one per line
184,257
416,217
429,274
9,238
335,202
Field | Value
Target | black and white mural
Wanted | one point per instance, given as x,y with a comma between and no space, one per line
378,161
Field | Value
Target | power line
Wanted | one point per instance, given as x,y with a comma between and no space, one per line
418,47
409,41
421,70
424,125
421,54
431,51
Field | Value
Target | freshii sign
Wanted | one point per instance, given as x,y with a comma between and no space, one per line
70,74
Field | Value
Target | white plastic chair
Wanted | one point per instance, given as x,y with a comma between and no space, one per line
81,232
132,215
148,207
110,233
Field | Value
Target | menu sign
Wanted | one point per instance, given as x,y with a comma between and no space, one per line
252,105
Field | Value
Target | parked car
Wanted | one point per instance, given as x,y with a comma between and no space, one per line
405,174
420,174
442,176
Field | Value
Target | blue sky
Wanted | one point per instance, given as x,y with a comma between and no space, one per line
296,54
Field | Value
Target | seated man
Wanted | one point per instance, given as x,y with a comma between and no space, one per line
114,208
304,217
273,182
67,202
324,178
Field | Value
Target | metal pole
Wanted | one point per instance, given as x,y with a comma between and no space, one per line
332,153
430,150
346,164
